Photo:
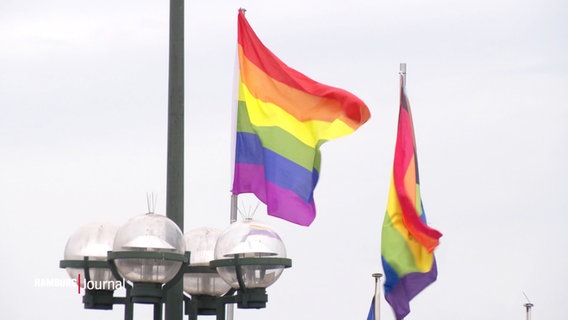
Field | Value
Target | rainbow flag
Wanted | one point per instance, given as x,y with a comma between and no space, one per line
283,118
371,314
407,241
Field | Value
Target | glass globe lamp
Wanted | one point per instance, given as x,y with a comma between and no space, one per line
201,243
91,241
149,238
254,248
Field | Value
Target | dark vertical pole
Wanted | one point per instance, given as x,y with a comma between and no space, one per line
175,174
158,311
128,305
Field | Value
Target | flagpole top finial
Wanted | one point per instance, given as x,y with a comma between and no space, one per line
377,275
403,68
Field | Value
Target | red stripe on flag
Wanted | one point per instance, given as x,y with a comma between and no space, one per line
405,164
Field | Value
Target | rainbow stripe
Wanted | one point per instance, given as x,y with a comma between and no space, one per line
283,118
407,241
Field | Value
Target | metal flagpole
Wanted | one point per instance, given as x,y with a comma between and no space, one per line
230,308
528,306
377,311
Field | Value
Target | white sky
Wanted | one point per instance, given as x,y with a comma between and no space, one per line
83,98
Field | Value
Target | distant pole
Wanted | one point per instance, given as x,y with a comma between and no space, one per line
403,68
528,307
175,156
230,308
377,310
402,73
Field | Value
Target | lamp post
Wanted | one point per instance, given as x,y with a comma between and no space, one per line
148,254
85,260
202,283
175,157
84,254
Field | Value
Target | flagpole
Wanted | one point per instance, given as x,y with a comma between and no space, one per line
528,307
377,310
230,308
234,197
402,73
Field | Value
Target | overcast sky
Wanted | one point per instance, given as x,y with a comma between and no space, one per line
83,101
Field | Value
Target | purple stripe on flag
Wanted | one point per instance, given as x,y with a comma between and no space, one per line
286,204
407,288
282,203
249,178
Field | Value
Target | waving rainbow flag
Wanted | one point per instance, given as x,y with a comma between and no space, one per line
407,241
283,119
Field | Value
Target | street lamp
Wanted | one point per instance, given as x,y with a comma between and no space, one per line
149,254
242,245
91,242
148,251
85,260
250,256
201,283
203,280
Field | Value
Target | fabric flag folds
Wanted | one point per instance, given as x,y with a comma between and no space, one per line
283,118
407,243
371,315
